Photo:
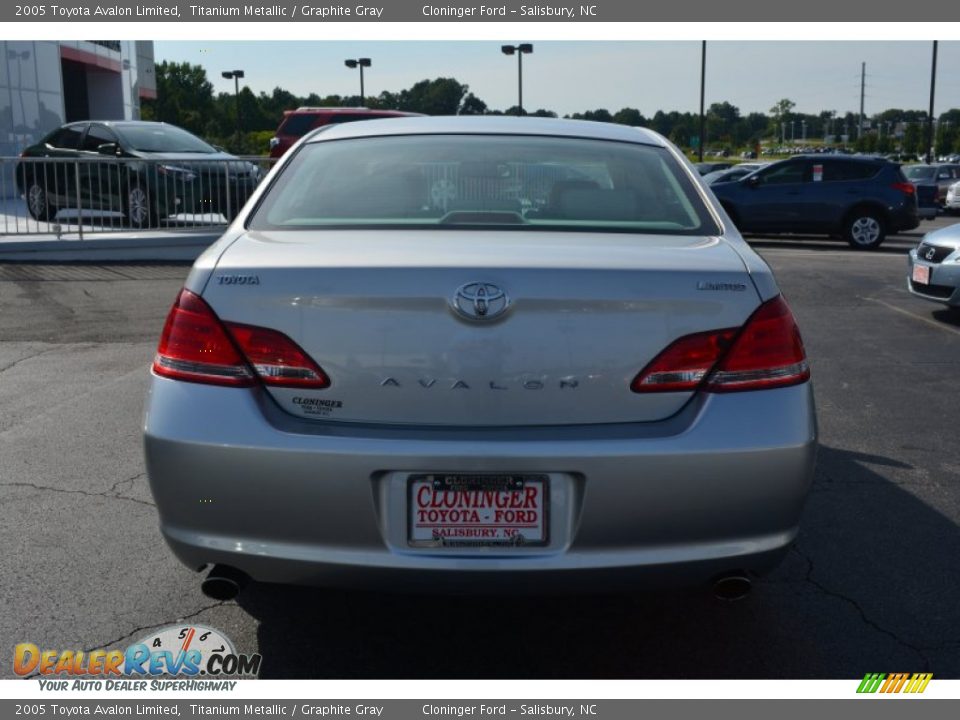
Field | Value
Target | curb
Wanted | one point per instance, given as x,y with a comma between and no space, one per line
175,247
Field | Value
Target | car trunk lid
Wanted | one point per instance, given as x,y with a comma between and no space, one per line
581,315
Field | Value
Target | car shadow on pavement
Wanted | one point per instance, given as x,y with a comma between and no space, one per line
871,583
948,316
894,245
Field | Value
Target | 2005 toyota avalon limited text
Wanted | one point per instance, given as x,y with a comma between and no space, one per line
481,353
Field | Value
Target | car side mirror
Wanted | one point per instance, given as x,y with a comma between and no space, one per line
751,181
108,149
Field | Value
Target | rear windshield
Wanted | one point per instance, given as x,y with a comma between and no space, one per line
920,172
162,138
485,180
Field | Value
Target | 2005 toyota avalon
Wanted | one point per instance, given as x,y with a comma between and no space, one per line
481,353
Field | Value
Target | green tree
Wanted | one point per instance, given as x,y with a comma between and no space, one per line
781,113
629,116
912,138
722,119
434,97
184,96
599,115
472,105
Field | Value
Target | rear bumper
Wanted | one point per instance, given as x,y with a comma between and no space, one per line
905,219
719,487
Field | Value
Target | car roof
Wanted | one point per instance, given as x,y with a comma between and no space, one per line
487,125
339,110
121,123
820,157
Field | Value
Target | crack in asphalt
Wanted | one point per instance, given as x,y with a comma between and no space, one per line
22,425
114,490
144,628
808,578
29,357
108,494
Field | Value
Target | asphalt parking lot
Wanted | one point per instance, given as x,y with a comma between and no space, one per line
871,585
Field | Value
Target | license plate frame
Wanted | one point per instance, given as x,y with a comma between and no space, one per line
920,274
520,483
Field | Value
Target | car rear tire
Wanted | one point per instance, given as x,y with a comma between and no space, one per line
38,202
139,208
865,229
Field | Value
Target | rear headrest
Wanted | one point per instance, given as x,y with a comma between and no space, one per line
598,204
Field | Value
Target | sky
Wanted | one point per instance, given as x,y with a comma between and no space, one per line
569,77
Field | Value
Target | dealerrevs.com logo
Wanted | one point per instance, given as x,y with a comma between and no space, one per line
184,652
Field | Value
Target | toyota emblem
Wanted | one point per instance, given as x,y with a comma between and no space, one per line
480,301
931,253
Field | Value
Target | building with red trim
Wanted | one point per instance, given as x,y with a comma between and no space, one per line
46,83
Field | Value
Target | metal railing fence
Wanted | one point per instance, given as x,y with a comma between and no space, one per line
80,196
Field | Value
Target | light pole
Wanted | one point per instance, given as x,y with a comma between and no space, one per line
518,50
933,87
359,63
703,83
235,75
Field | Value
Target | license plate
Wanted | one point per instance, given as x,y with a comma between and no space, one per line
477,510
921,274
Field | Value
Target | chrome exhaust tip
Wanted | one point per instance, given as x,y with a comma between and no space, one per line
732,587
223,583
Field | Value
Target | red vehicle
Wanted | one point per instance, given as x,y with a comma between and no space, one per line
297,123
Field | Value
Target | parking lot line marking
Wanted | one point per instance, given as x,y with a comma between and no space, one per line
900,310
791,252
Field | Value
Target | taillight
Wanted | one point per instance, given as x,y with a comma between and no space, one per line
904,187
766,352
685,363
196,346
277,359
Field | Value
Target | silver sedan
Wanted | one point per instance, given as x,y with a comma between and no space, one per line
485,354
933,268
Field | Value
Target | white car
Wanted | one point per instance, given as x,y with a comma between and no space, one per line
952,202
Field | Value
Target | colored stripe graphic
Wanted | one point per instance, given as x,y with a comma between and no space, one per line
870,683
894,683
919,682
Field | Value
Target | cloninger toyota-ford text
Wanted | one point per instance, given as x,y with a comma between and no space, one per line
484,354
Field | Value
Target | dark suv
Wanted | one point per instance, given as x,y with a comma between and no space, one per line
297,123
859,199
